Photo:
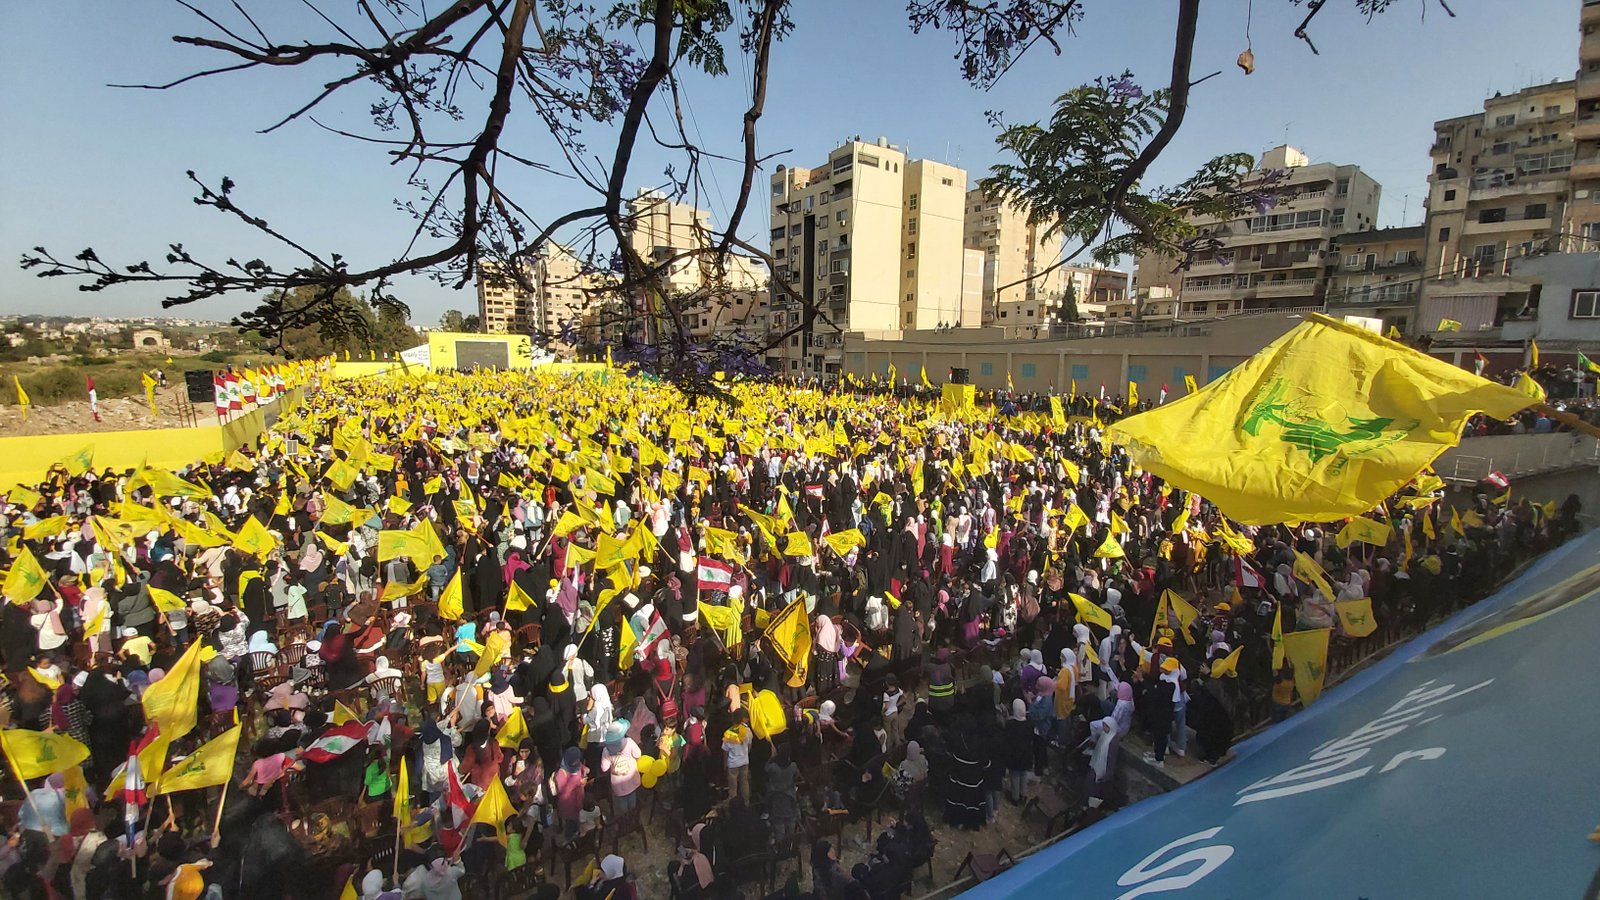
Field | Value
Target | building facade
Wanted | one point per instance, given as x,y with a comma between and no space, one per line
1377,274
1015,251
504,305
1583,212
1498,192
871,241
1277,258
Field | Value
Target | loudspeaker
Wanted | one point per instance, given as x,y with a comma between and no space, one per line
960,376
201,385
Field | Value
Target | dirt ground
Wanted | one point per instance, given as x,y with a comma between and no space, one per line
125,414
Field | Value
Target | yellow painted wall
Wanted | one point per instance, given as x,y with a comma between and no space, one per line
343,371
24,460
442,348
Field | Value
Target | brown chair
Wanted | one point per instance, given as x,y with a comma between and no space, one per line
584,848
985,866
388,687
1050,805
293,654
624,824
529,634
262,661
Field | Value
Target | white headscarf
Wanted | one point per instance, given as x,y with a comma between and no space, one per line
612,867
599,714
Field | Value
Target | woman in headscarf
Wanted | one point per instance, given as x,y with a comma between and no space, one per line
828,881
1042,716
439,880
827,653
964,799
437,749
1018,750
481,762
1122,713
596,719
693,877
610,883
621,762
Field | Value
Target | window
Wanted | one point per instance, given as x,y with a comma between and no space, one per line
795,229
911,251
1534,211
1029,370
1401,257
822,246
912,202
1352,261
822,221
911,297
842,241
911,273
824,197
1586,304
839,266
1503,121
1450,194
1003,314
842,163
908,318
1556,110
1080,372
1444,235
777,189
810,203
986,368
1372,262
911,226
1177,374
1030,313
1140,374
1215,372
841,217
1343,187
867,159
1484,253
946,182
794,340
1497,214
778,254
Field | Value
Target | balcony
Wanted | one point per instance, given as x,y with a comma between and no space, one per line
1587,127
1586,167
1516,187
1289,260
1509,224
1591,11
1294,287
1588,82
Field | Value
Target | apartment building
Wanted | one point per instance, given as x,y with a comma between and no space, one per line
727,290
1377,274
1498,192
1014,251
872,241
504,306
1277,258
1152,304
1583,211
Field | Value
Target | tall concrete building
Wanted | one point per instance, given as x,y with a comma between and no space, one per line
1583,212
1376,274
872,241
1014,251
504,306
731,289
1498,192
1274,259
561,293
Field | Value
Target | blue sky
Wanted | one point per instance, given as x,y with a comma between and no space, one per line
86,164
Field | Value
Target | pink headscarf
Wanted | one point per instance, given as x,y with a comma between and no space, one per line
827,634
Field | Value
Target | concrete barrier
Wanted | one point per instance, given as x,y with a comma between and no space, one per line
1517,456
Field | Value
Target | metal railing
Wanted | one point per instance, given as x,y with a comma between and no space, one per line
1517,456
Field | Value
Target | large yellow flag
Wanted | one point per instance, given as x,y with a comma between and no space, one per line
625,645
842,542
450,605
79,463
420,544
1228,666
1185,612
789,634
254,538
1109,548
173,702
26,578
167,601
1133,395
494,809
1308,653
399,590
1366,531
517,599
1322,424
402,792
1075,517
150,392
1090,612
494,647
1307,570
35,754
338,512
797,543
210,765
515,729
1356,617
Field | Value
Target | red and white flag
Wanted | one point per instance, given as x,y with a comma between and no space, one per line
1245,575
455,797
713,575
814,490
220,388
235,395
337,741
134,793
1498,479
1163,394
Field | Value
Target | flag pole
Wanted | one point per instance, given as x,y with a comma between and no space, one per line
216,826
1567,419
28,795
398,827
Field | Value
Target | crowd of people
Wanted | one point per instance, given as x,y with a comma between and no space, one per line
495,624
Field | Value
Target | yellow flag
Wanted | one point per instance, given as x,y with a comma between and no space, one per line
1185,612
209,765
514,731
1090,612
789,635
1455,522
925,382
1277,639
35,754
569,522
1529,388
797,543
420,544
1366,531
1287,436
173,702
1117,525
22,397
150,392
1009,385
626,644
1533,352
338,512
1110,549
397,505
74,789
1307,570
1308,653
24,497
167,601
1181,523
842,542
343,714
1188,382
1228,666
1355,616
1133,395
79,463
1058,416
450,605
1160,620
238,462
1075,518
517,599
1427,527
349,892
397,590
402,792
254,538
26,578
494,809
494,647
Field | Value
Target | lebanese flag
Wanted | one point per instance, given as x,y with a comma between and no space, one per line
713,575
235,395
1479,362
337,741
1245,575
221,389
249,387
134,794
1498,480
1163,394
814,490
455,797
